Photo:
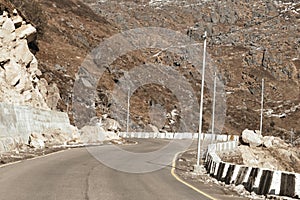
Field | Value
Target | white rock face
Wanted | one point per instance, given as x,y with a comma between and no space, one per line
19,74
251,138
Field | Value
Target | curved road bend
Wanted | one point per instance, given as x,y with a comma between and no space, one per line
76,175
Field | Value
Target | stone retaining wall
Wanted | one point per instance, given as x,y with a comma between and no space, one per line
260,180
18,122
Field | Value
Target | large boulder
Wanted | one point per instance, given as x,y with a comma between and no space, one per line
95,134
109,124
36,141
252,138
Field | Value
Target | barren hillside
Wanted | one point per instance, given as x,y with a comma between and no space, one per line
247,41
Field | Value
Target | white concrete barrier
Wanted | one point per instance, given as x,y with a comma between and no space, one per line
260,180
177,136
169,135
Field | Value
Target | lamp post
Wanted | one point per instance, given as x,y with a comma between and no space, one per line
262,106
201,104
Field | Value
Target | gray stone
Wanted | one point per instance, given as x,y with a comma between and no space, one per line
252,138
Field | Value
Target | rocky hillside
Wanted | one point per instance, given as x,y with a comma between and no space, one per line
247,41
20,76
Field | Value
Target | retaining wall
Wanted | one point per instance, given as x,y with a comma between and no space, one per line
260,180
18,122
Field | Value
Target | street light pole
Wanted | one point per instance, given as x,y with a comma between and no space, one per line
262,105
214,108
201,103
128,109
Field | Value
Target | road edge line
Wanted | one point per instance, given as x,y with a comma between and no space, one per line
185,183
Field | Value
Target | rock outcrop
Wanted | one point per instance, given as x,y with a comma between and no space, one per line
20,81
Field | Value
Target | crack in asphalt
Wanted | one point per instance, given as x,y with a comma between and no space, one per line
86,193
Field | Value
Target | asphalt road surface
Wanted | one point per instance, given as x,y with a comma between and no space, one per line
77,175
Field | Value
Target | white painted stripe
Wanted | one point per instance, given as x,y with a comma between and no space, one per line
216,169
246,178
297,185
225,170
276,181
258,177
235,173
212,169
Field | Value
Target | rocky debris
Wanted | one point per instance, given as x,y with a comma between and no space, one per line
268,141
93,134
273,153
86,135
106,123
252,138
49,138
20,78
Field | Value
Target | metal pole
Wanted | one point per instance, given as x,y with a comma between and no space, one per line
213,114
201,103
262,105
214,107
128,108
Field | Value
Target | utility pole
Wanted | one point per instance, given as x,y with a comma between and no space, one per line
201,103
128,109
262,105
